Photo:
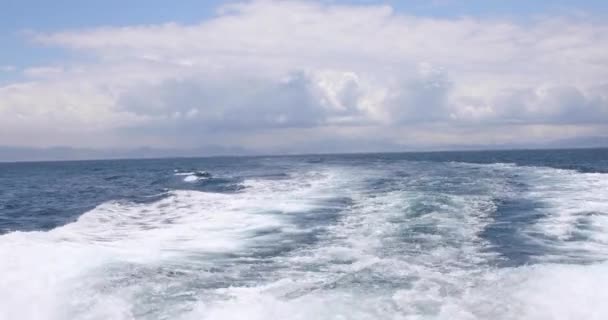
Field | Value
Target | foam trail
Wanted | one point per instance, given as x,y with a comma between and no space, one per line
576,212
405,240
419,254
86,269
391,256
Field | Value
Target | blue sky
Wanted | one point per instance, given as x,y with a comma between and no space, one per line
273,75
62,14
18,16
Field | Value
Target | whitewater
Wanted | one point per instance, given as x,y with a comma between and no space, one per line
438,236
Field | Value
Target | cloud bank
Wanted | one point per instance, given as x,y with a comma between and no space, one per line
267,75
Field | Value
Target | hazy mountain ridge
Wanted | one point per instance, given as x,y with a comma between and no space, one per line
61,153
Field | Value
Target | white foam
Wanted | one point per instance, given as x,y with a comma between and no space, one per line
574,209
376,261
192,176
448,273
64,272
42,266
544,292
191,179
335,278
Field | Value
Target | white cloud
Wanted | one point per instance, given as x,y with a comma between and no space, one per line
45,71
7,68
265,66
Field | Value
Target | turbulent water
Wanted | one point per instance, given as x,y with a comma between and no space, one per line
469,235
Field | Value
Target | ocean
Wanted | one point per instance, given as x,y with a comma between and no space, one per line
439,235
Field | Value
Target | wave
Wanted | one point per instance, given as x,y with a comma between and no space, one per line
574,214
193,176
327,243
419,254
78,270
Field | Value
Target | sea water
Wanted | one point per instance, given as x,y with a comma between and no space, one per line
445,235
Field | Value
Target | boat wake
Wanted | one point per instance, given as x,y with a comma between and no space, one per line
408,240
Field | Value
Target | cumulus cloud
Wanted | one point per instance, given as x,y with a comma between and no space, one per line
212,104
270,69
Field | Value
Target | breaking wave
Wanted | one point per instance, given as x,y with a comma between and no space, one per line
409,240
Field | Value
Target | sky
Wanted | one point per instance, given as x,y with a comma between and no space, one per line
302,76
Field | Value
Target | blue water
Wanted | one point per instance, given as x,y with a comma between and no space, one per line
443,235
